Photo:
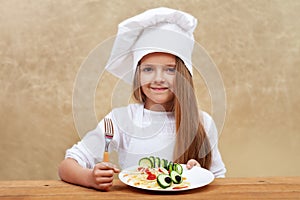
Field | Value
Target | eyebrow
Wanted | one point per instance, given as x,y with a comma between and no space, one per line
171,64
168,64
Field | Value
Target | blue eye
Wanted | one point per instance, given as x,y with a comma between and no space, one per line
171,70
147,69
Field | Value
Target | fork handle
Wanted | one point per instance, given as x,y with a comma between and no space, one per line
105,157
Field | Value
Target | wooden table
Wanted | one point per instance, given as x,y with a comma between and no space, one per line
228,188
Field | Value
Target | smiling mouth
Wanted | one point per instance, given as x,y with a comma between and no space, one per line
159,89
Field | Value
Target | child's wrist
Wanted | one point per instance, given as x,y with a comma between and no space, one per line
88,180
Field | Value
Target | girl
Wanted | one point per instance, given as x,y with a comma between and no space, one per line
165,121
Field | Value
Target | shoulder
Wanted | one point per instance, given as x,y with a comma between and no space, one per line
205,117
208,122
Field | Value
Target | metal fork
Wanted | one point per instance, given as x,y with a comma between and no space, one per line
109,133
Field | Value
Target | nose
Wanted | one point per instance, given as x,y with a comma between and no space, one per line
159,76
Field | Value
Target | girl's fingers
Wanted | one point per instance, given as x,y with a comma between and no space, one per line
101,180
104,186
107,166
103,173
191,163
116,170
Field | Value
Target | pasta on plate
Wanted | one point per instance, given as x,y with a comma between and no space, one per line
155,178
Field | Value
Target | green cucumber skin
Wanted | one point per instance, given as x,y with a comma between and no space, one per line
173,175
174,169
157,162
178,168
170,166
145,162
165,164
161,181
153,160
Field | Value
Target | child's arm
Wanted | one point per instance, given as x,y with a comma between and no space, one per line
101,177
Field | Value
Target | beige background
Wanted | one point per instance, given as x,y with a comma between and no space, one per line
255,45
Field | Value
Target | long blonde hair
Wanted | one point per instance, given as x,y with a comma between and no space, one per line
191,138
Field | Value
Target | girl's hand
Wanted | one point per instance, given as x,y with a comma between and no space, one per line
191,163
102,176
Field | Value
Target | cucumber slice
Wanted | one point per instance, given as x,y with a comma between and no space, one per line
176,177
145,162
157,162
164,164
178,168
152,158
170,166
164,180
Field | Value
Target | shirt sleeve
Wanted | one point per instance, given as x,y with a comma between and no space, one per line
89,150
217,166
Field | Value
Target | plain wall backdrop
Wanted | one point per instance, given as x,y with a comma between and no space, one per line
255,44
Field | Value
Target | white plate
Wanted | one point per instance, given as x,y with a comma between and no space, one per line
197,177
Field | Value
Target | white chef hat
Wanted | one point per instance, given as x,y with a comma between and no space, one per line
156,30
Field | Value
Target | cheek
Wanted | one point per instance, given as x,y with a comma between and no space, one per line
145,80
143,83
171,81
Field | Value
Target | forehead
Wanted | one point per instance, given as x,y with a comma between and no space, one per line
159,58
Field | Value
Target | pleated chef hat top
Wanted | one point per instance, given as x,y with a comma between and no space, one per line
155,30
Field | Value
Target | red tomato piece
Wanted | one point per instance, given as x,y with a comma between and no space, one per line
151,177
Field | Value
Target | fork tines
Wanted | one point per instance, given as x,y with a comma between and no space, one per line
108,127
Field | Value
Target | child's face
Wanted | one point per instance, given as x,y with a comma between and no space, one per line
157,75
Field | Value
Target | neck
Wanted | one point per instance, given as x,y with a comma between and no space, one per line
167,107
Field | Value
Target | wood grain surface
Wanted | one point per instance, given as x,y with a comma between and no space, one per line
228,188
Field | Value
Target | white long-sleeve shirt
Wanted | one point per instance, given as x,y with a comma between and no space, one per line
138,133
